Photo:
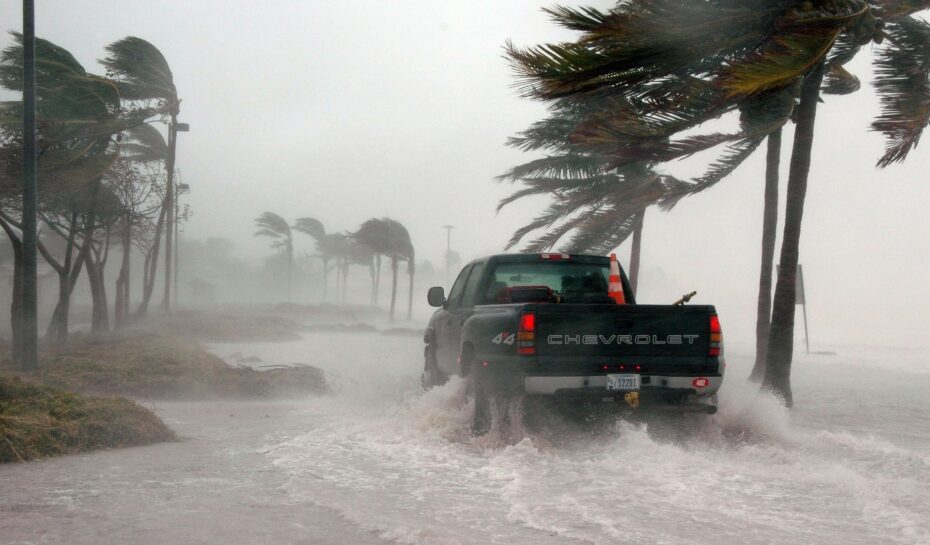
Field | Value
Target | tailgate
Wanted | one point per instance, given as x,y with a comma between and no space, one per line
659,338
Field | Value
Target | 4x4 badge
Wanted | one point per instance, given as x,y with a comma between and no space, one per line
504,338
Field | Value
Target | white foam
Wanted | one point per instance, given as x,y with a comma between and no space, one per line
402,463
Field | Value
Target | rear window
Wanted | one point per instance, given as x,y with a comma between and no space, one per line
567,280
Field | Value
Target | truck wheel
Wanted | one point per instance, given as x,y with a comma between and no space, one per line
481,422
431,376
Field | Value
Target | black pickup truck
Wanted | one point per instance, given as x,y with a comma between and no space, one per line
544,324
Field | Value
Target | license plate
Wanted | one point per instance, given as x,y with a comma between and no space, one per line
623,382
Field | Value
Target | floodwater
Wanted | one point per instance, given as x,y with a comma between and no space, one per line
381,461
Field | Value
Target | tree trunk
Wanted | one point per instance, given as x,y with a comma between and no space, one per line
769,232
374,298
345,279
16,307
410,271
371,274
59,324
636,248
394,261
169,207
121,307
100,311
781,335
290,268
149,274
325,277
100,314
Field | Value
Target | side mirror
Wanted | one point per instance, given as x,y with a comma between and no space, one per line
436,296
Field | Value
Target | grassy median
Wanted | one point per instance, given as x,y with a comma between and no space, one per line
68,405
152,366
38,421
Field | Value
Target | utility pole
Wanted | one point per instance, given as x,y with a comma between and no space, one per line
177,243
29,326
181,190
448,229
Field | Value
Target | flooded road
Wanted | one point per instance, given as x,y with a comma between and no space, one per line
380,461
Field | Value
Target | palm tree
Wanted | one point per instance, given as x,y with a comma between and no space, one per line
355,253
315,229
374,235
274,226
388,237
704,58
143,74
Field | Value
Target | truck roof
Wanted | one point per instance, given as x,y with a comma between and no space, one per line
528,258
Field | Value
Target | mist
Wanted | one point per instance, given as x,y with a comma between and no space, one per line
296,402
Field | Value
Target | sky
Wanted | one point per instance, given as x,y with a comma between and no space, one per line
349,110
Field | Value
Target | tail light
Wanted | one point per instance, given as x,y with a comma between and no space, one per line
526,334
555,257
716,337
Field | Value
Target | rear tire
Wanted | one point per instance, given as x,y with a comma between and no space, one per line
481,422
432,376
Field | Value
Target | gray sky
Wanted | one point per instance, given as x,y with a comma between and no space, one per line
344,111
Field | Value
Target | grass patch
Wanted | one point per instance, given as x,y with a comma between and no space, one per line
150,366
38,421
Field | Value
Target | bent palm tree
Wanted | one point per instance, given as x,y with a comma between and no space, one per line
274,226
388,237
373,234
315,229
142,74
716,53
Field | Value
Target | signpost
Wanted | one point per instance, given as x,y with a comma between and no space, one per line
800,298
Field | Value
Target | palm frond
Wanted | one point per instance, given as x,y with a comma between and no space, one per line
837,81
310,226
902,82
272,225
731,159
567,165
144,144
141,71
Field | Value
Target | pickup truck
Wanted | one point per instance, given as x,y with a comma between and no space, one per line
545,325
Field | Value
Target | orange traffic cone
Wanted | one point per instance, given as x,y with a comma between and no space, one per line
615,288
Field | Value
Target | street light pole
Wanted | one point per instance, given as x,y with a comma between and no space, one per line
173,129
181,189
177,241
28,327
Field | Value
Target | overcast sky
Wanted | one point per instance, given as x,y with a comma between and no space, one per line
348,110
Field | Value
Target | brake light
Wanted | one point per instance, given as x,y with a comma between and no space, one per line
555,257
526,334
716,337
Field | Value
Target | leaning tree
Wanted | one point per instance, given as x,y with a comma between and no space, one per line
676,63
275,227
145,81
